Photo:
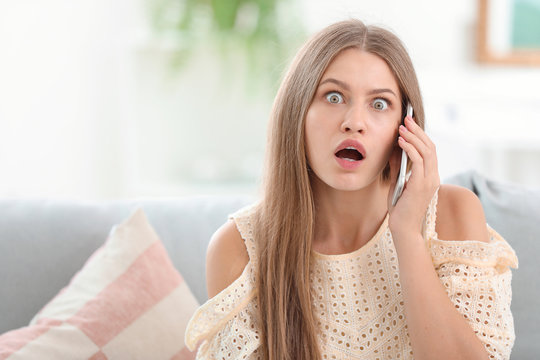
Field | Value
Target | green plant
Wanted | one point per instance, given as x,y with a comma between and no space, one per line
261,32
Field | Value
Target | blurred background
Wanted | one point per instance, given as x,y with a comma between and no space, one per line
118,99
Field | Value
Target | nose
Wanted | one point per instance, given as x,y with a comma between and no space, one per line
355,120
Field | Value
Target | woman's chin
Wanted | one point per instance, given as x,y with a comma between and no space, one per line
349,188
348,183
344,182
346,186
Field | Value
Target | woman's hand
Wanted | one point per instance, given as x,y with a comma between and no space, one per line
407,215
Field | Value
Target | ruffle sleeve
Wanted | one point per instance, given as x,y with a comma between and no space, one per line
226,326
477,278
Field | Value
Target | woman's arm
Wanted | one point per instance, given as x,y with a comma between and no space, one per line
434,324
436,328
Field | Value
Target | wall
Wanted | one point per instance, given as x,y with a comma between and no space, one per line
62,112
89,107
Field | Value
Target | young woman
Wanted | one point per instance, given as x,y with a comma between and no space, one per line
324,267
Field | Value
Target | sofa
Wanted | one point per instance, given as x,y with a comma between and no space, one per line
44,242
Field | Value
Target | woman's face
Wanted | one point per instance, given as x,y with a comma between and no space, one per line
352,123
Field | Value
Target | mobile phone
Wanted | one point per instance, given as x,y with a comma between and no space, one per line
403,169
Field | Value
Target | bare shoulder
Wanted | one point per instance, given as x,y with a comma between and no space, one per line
226,258
460,215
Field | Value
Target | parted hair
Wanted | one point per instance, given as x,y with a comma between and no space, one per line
285,216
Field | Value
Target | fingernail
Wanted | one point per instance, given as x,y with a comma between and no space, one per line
402,128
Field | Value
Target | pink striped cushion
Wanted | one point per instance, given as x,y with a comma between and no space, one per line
127,302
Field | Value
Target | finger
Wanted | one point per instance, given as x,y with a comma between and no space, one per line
413,127
414,155
427,149
413,139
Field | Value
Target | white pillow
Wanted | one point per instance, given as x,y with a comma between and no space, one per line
127,302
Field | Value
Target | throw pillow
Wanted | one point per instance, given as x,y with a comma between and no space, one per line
127,302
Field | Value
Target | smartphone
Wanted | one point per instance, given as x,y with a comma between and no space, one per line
403,168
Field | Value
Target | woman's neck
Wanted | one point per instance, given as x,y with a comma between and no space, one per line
346,220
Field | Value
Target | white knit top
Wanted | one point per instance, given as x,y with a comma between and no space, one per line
358,301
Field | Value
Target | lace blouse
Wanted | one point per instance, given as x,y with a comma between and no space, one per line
358,301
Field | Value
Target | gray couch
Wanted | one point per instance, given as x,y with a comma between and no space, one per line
43,243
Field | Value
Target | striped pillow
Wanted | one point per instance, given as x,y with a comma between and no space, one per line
127,302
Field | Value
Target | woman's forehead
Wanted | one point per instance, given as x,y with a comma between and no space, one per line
353,65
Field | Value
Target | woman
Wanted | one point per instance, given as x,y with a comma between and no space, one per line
324,267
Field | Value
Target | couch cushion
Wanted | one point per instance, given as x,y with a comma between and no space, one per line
128,301
43,242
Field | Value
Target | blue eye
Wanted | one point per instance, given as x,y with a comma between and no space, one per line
380,104
334,97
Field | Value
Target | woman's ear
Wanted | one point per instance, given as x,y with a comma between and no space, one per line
393,161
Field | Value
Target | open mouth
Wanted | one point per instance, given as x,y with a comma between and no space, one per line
350,154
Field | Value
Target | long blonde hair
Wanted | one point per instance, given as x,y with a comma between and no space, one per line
285,217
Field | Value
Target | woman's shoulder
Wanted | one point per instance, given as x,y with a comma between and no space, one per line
229,281
230,285
460,215
226,258
230,250
463,236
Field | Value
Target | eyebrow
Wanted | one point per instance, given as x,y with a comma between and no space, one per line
337,82
348,88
